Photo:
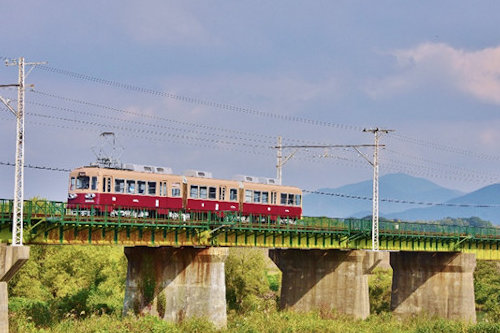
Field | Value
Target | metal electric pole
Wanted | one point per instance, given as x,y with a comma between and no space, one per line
375,196
280,161
374,163
17,218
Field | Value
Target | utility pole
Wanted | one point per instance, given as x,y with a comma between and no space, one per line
375,197
280,162
17,218
374,163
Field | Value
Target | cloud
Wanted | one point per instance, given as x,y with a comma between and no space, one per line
162,22
476,73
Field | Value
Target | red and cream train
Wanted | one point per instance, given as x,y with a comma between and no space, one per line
157,189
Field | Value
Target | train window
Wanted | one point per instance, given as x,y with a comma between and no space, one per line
248,195
291,199
176,189
273,198
256,196
152,188
131,186
193,192
222,193
163,189
141,187
283,199
233,194
212,192
298,199
265,197
119,185
104,184
72,184
94,183
203,192
82,182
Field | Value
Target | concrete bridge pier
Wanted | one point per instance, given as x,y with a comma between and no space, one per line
12,258
177,283
326,279
436,283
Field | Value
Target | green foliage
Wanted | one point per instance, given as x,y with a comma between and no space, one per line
81,289
274,281
487,290
467,222
247,284
379,284
70,281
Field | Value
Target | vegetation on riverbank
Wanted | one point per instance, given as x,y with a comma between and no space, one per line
81,289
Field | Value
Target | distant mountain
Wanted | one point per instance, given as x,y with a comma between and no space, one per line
392,186
489,195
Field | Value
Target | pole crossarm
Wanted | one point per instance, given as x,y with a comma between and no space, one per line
7,104
281,160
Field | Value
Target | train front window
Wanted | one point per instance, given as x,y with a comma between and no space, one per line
119,185
94,183
265,197
72,184
233,194
291,199
141,187
283,198
298,199
82,182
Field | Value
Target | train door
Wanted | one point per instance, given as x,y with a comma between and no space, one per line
106,199
273,198
107,184
184,194
163,188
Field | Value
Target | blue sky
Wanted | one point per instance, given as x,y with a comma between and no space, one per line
430,70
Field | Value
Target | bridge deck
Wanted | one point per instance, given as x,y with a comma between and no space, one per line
49,222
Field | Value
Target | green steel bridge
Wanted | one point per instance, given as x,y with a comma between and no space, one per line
50,222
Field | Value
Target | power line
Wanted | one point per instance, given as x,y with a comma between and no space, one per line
142,115
409,202
198,101
331,194
229,107
446,148
38,167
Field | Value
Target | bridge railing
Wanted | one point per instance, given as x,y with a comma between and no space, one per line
97,214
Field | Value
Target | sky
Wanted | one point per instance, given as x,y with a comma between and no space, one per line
210,85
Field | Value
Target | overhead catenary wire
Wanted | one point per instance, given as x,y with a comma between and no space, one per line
156,117
331,194
399,201
194,100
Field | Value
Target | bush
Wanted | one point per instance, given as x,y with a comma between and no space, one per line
379,285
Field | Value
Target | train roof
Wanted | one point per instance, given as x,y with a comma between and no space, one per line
205,175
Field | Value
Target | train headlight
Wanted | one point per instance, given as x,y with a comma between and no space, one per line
72,196
90,196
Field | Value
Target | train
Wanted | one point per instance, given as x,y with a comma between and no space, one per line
152,190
